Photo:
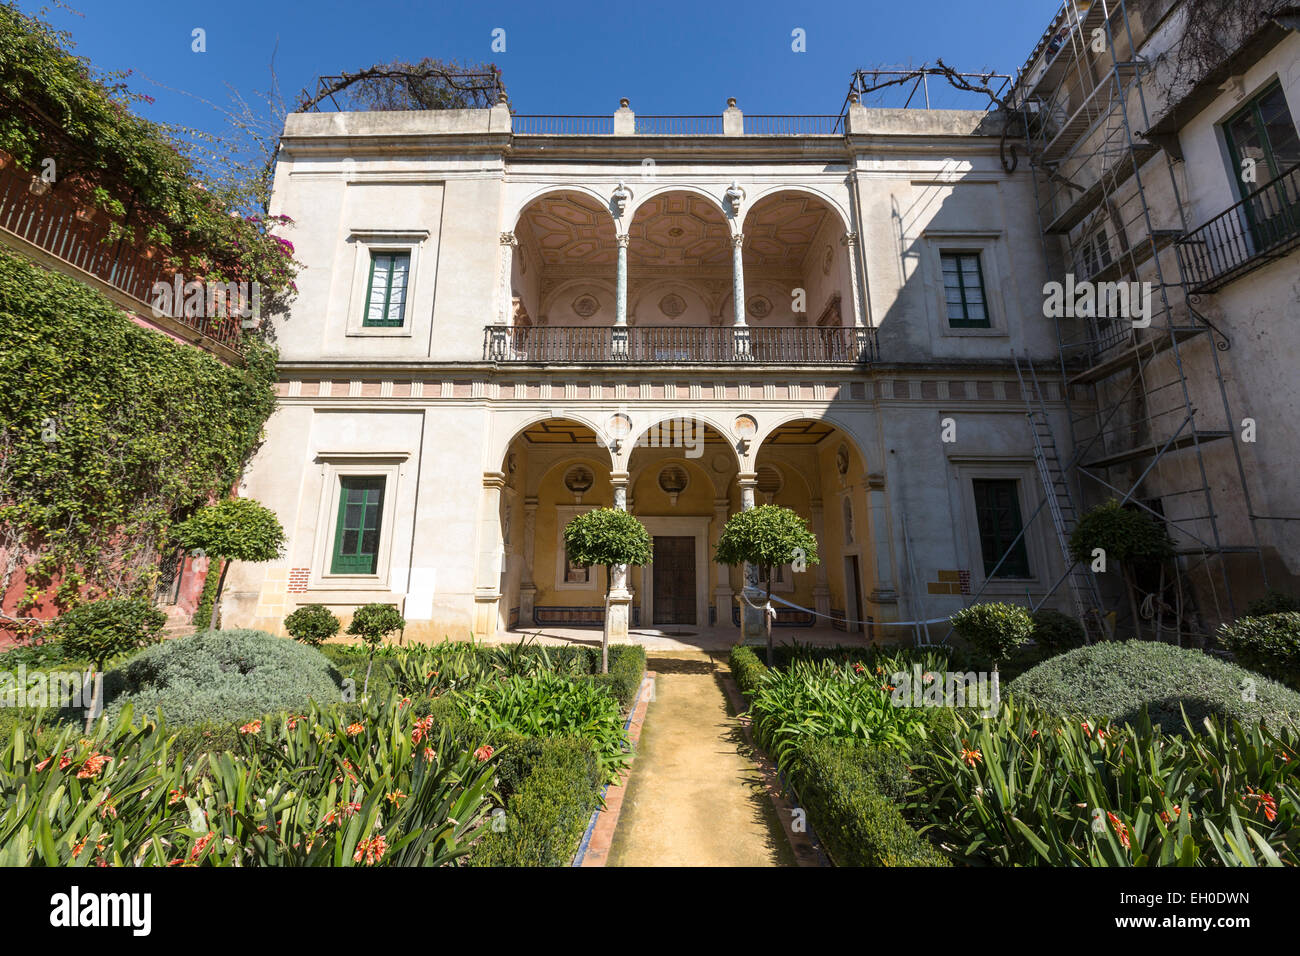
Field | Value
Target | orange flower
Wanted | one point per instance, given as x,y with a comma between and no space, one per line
201,845
429,754
354,729
372,851
859,669
1120,828
422,728
344,810
1087,731
176,796
1033,734
483,753
887,688
1266,803
970,757
93,765
396,797
252,727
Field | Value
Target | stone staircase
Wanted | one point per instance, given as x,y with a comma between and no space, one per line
178,623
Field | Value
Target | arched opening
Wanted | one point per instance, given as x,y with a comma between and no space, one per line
815,469
555,469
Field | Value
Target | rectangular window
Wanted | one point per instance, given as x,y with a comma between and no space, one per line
963,286
997,509
1264,132
386,292
356,537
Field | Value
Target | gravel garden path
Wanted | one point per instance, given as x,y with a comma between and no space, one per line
695,797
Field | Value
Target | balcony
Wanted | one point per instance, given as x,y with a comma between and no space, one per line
77,236
671,345
1261,228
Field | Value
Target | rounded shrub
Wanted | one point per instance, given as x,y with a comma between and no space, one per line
1058,632
1269,644
1113,681
101,630
216,677
1274,602
312,624
994,629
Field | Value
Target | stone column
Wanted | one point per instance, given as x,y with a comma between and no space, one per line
619,610
884,591
855,286
739,330
527,586
487,575
752,625
620,300
722,596
506,315
821,590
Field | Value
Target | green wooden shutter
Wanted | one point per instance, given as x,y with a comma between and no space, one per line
356,536
386,290
963,287
997,510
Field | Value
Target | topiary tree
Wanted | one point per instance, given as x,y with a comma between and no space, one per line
237,529
101,630
1058,632
1124,535
995,629
312,624
372,623
608,538
1274,602
766,537
1269,644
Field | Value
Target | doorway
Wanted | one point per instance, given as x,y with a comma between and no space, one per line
853,599
673,568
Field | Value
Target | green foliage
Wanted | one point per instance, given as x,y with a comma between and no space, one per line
374,622
101,630
221,676
1027,789
111,432
766,536
626,671
237,529
747,669
550,705
1056,631
1125,534
851,792
312,624
202,615
545,817
607,537
1268,644
1274,602
1115,681
55,105
994,629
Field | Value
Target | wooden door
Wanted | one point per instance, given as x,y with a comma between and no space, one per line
673,582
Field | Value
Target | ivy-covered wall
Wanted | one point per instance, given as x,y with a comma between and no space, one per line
109,433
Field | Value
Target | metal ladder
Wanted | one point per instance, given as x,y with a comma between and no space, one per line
1060,502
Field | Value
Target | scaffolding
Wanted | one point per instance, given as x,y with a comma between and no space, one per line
1149,415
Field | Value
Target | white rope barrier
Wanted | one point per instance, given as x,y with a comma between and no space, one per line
768,607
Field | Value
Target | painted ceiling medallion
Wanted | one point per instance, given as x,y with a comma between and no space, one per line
744,426
579,480
676,232
586,305
760,306
672,305
673,480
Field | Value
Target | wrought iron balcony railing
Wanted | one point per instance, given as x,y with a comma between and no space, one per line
670,345
1262,227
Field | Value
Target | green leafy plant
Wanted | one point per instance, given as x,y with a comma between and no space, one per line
766,537
1056,631
609,538
312,624
102,630
373,623
1125,536
1274,602
994,630
1268,644
237,529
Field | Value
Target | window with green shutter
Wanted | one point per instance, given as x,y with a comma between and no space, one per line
997,510
963,287
386,291
356,537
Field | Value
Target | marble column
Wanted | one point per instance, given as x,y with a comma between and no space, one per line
739,329
855,286
487,573
821,590
752,625
618,612
722,596
506,313
527,586
620,334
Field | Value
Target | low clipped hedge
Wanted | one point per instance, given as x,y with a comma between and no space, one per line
626,671
1114,681
554,787
746,669
218,677
850,790
1269,644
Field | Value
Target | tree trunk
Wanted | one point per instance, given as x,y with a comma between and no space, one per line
604,628
997,689
97,689
216,598
370,662
767,617
1132,603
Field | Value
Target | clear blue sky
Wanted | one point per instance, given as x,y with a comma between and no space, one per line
577,57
